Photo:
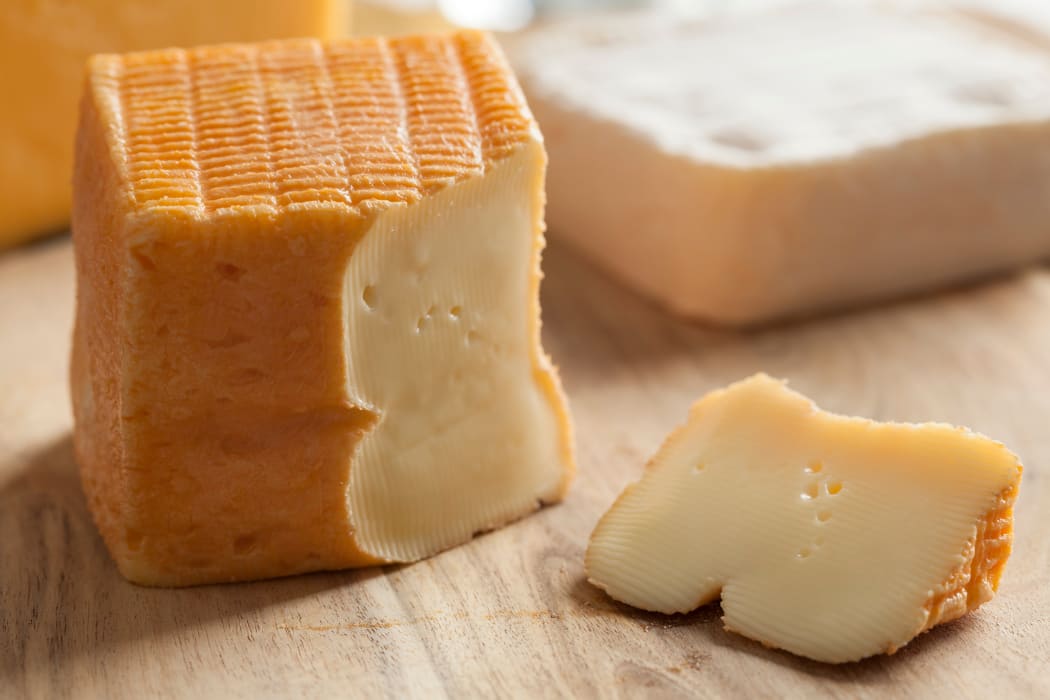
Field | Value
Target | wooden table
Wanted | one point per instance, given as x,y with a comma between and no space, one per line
511,614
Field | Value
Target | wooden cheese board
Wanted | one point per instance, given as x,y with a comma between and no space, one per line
511,614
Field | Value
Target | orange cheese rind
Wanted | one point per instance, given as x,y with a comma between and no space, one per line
354,125
832,537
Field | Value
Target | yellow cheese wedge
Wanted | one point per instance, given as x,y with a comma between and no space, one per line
43,49
796,159
307,328
831,537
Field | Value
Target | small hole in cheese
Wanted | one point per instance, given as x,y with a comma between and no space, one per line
246,376
810,492
803,553
144,260
834,487
368,295
231,340
698,468
824,516
133,538
984,94
244,544
229,271
815,467
455,311
738,139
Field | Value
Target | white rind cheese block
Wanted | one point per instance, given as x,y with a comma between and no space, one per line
750,166
834,538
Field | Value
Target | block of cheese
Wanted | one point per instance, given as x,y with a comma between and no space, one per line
43,49
307,330
394,17
773,163
831,537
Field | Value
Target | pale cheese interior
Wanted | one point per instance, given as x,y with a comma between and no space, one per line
824,535
442,327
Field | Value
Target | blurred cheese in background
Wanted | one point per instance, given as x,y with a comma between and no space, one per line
750,164
43,48
1027,17
392,17
395,17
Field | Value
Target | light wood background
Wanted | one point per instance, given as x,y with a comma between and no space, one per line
511,614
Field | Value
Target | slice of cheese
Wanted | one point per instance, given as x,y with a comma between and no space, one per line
307,328
43,49
763,164
831,537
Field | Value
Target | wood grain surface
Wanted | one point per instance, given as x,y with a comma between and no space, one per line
510,614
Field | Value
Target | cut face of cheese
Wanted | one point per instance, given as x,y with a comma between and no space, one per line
834,538
43,49
308,320
883,151
443,286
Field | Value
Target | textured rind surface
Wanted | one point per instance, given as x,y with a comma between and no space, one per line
973,582
354,126
213,425
43,48
977,578
765,237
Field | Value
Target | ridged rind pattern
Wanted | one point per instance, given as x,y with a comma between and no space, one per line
357,124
